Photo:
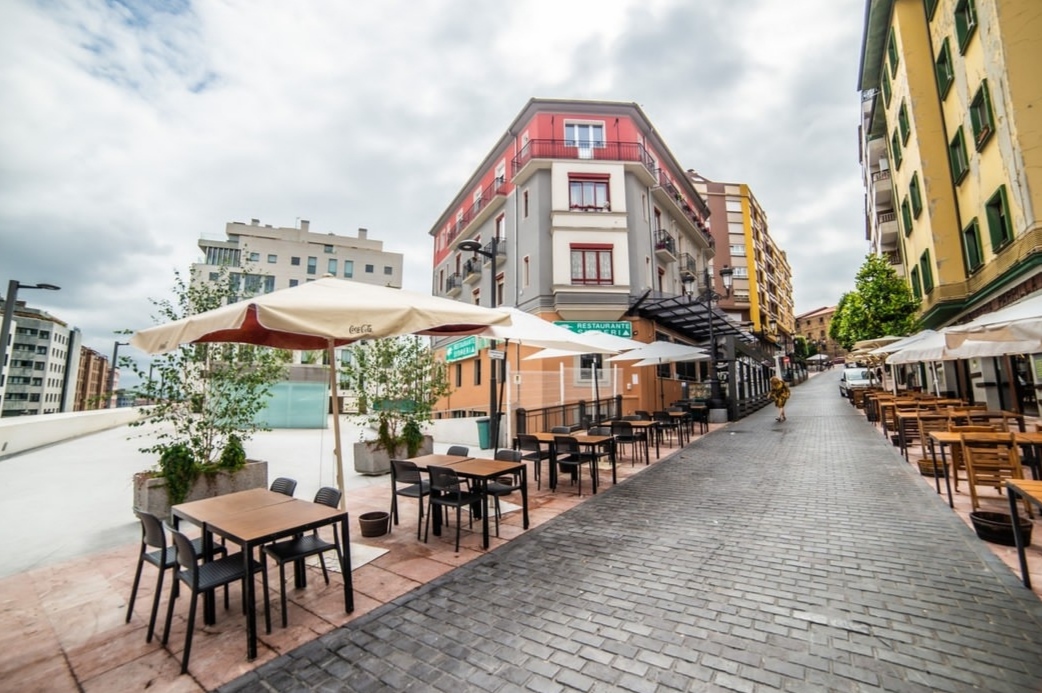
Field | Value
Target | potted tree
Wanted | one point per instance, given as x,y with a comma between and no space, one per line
203,402
396,383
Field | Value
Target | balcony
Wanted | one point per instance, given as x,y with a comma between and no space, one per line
684,210
665,246
687,266
886,222
453,285
882,188
481,208
595,151
472,271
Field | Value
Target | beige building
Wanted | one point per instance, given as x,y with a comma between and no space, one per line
273,258
92,380
813,326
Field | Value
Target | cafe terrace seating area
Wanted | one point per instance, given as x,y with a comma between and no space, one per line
966,454
90,595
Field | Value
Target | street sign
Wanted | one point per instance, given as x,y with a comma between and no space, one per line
463,349
497,354
620,328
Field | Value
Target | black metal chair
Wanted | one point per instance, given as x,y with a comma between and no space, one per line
533,451
625,434
203,577
448,490
571,458
153,536
415,486
301,547
501,487
460,450
667,425
284,485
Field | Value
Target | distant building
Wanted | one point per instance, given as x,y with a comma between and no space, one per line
267,258
42,362
92,380
762,293
813,326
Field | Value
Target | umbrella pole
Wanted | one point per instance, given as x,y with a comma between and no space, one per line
333,388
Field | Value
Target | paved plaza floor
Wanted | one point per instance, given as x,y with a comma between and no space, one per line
804,555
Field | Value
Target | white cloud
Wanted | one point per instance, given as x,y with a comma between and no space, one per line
129,133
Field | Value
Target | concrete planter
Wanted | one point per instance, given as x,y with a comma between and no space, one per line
371,460
150,491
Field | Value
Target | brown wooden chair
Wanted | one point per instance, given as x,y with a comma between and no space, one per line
991,459
957,456
930,423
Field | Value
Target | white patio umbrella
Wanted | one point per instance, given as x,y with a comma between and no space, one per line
658,353
1018,322
326,313
933,347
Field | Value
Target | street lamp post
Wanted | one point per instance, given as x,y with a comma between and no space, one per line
112,373
9,302
493,413
708,296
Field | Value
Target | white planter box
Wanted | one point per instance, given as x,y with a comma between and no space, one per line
150,491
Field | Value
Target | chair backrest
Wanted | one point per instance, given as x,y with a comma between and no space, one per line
406,472
972,428
528,442
991,458
642,415
152,532
561,429
460,450
444,479
661,416
186,556
508,455
621,428
327,495
600,431
566,445
284,485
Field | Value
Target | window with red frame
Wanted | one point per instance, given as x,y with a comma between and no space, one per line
591,264
588,194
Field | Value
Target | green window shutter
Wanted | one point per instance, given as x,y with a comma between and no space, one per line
943,70
957,156
917,289
916,196
1000,228
965,22
974,253
906,216
926,271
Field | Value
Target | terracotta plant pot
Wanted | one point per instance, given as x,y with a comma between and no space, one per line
998,527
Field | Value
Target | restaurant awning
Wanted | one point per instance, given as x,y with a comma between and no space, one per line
687,316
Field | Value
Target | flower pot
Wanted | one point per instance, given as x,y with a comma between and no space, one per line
375,524
998,527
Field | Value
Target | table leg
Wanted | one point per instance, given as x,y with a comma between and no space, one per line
614,461
209,598
1018,536
524,496
484,515
251,604
345,566
947,478
553,467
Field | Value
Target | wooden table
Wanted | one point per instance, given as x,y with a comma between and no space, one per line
1031,491
948,438
587,439
254,518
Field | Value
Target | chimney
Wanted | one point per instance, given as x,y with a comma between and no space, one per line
304,224
362,233
254,222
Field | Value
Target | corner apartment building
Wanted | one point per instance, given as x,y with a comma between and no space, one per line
594,221
271,258
42,363
950,135
761,296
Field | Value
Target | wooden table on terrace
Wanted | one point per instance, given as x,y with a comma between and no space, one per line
585,439
1031,491
257,517
945,439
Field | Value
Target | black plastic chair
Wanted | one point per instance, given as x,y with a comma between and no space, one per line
498,488
162,557
571,458
460,450
642,415
667,425
625,434
406,472
301,547
203,577
448,490
533,451
284,485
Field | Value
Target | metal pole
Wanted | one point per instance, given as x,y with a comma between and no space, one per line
493,424
5,328
112,373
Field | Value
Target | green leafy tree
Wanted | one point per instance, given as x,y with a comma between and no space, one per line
397,381
881,304
204,397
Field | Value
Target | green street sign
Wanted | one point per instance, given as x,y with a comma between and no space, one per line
466,348
621,328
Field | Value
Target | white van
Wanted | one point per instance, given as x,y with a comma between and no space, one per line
854,378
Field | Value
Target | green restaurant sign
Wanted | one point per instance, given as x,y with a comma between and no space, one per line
465,348
621,328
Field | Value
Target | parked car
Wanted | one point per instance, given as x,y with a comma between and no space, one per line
854,378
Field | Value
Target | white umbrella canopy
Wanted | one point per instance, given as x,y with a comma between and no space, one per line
532,330
934,347
603,342
322,314
662,352
1018,322
902,342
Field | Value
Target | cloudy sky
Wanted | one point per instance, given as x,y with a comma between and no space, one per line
130,128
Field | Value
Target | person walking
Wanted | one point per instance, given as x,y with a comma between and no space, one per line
779,394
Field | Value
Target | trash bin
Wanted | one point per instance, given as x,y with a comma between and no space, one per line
484,434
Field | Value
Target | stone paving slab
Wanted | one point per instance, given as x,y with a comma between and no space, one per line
792,556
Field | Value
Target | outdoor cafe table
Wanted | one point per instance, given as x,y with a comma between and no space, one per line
586,439
1030,491
254,518
948,438
482,471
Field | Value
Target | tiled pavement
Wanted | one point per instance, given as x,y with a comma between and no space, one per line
797,556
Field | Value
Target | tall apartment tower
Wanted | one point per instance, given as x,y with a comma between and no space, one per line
269,258
762,293
950,149
92,380
594,221
42,364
